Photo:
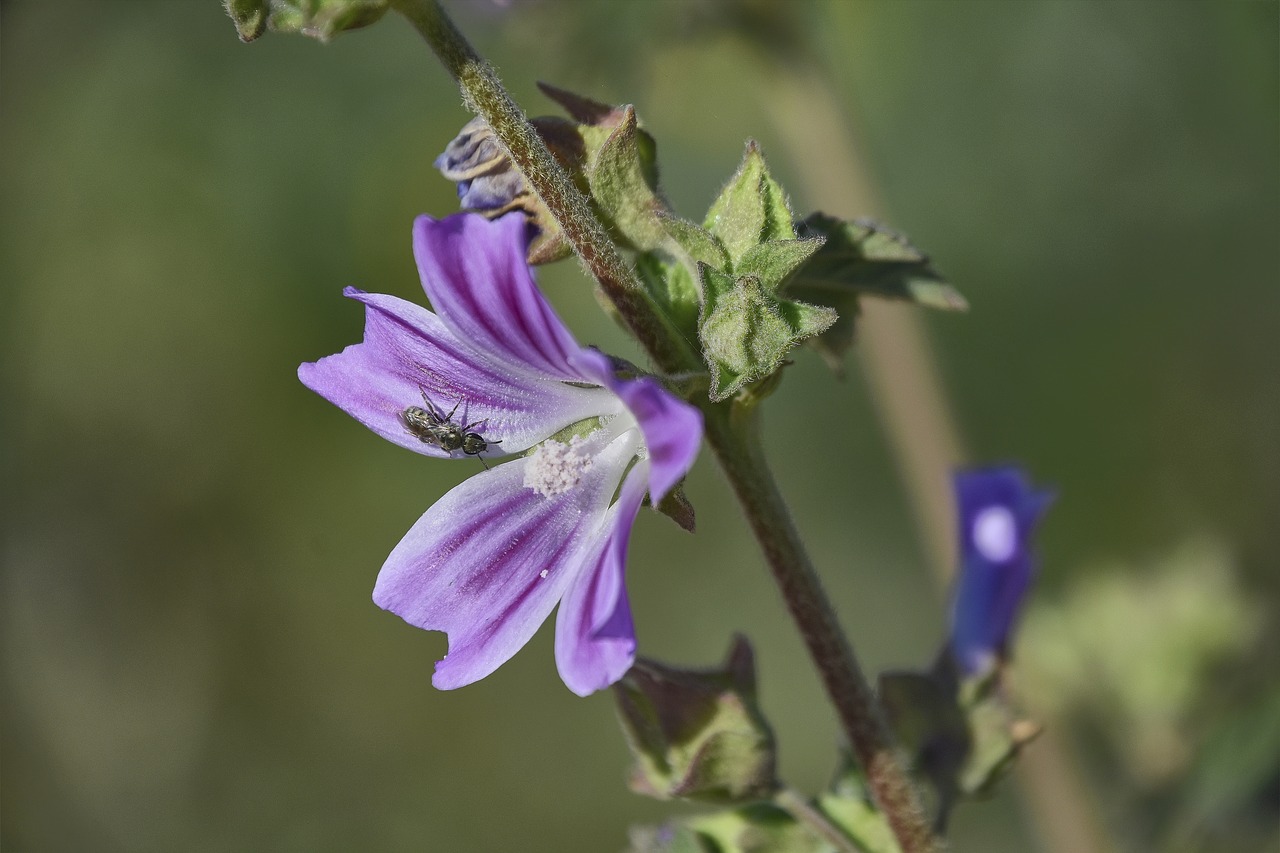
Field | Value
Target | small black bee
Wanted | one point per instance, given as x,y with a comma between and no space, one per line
432,426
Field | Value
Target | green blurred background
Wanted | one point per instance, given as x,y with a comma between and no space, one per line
190,657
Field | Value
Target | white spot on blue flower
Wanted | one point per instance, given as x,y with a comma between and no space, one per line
995,533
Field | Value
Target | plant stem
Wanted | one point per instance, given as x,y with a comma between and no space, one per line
732,430
733,434
484,94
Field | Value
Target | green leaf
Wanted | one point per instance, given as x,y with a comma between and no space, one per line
865,257
697,734
746,332
751,208
861,258
319,19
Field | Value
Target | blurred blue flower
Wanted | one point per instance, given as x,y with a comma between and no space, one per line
998,512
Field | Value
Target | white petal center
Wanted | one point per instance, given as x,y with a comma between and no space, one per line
995,533
556,467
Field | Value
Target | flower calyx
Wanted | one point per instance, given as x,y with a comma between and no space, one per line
698,734
319,19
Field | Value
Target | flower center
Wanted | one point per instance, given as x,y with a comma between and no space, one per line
995,534
556,467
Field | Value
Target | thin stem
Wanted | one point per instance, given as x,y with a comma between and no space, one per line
484,94
731,431
734,436
799,808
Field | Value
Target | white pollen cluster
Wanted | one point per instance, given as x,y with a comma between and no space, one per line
556,467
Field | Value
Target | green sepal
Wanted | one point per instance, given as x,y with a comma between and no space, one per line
962,732
862,258
774,261
697,243
319,19
697,734
847,803
746,332
676,506
249,16
996,734
751,209
673,290
622,174
758,828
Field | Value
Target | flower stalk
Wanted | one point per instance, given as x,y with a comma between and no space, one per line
731,428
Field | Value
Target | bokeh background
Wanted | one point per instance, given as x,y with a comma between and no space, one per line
190,657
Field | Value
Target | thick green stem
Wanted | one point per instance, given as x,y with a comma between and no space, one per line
733,434
484,94
731,431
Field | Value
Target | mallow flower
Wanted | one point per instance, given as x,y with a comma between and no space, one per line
490,560
998,512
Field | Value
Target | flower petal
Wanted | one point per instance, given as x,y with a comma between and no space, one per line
473,566
595,637
475,273
672,428
998,512
407,352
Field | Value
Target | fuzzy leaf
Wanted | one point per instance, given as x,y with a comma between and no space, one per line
697,734
865,257
861,258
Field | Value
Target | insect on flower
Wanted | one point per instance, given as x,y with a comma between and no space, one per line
432,426
584,446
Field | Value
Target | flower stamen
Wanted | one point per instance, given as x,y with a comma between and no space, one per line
556,467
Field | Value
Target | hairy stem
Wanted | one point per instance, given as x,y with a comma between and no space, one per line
484,94
733,434
730,430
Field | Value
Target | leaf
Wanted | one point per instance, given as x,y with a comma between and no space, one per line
622,175
865,257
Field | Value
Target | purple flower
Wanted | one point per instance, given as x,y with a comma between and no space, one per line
491,559
998,512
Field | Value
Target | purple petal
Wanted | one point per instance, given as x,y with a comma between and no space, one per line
407,352
998,513
475,273
595,637
473,565
672,428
